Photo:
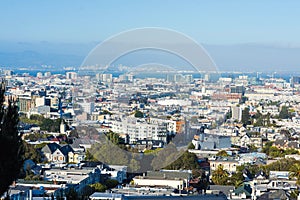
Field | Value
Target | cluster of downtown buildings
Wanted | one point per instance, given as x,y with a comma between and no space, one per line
147,113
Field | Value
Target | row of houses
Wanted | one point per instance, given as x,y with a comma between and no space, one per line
66,153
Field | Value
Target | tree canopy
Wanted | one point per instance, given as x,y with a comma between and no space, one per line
222,153
284,113
138,114
45,124
11,157
245,116
220,176
186,161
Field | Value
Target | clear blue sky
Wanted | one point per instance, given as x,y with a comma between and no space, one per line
210,21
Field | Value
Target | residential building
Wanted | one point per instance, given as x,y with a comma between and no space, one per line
210,142
228,163
171,179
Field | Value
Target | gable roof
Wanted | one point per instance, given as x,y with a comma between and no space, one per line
278,194
78,142
66,149
260,174
243,189
223,188
50,148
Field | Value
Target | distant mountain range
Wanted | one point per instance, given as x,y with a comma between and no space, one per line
241,57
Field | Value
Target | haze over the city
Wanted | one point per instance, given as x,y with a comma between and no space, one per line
243,36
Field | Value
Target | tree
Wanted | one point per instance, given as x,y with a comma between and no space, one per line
11,158
106,112
281,165
294,194
284,113
267,146
187,160
222,153
111,183
229,114
295,172
98,187
89,156
252,148
86,192
191,146
275,152
50,125
114,138
200,180
220,176
31,153
245,116
36,117
71,194
196,173
138,114
74,134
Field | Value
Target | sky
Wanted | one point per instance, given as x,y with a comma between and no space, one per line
272,23
214,22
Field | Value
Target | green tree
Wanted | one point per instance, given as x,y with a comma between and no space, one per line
89,156
295,172
220,176
98,187
114,138
284,113
294,194
191,146
222,153
106,112
275,152
36,117
71,194
86,192
138,114
200,180
281,165
40,146
245,116
229,114
291,151
266,148
110,183
11,146
186,161
196,173
31,153
259,122
50,125
252,148
74,133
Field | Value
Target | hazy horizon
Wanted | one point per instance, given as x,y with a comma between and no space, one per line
250,35
235,57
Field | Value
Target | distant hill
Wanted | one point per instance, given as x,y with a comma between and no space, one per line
31,58
240,57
